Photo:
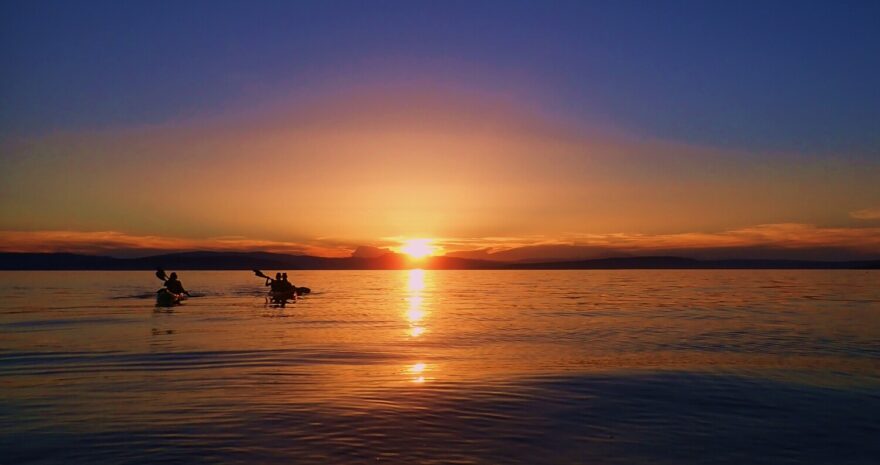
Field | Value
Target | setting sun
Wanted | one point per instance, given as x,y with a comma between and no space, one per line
418,248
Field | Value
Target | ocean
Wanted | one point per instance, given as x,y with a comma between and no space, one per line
443,367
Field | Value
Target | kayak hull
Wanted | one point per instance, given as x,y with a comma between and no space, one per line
279,296
289,294
166,298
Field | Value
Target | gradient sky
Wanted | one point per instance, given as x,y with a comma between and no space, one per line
589,128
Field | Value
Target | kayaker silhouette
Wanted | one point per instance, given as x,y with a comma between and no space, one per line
174,285
281,287
172,292
285,284
274,283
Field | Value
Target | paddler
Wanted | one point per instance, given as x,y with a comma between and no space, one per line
286,285
174,285
274,283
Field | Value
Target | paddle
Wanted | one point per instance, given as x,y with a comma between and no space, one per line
160,273
261,275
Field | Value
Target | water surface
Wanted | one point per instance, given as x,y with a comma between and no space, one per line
490,367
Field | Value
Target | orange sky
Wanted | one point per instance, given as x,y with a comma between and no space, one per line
574,128
375,167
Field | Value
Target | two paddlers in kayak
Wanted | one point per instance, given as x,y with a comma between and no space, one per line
281,290
280,284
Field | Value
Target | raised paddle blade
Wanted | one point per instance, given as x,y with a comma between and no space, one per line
160,273
260,274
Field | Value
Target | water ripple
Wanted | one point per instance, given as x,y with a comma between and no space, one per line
482,367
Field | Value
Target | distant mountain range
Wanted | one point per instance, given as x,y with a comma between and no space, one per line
388,261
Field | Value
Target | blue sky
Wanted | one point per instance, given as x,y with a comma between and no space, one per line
793,76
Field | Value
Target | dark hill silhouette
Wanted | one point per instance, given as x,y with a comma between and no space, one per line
542,253
228,261
387,261
551,253
366,251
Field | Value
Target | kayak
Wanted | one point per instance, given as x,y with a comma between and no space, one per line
166,298
290,294
280,296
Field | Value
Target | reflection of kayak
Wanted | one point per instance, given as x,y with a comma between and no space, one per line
166,298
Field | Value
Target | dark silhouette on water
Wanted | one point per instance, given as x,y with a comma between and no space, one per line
286,285
280,284
274,284
280,290
173,284
173,292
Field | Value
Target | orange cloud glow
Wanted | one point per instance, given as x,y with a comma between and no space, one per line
328,174
786,237
111,242
416,164
866,214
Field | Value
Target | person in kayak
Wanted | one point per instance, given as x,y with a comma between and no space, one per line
174,285
286,285
275,284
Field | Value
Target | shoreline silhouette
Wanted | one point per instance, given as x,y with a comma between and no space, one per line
391,261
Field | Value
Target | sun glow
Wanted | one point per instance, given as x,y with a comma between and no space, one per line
418,248
417,368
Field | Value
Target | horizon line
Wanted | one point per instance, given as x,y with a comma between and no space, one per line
64,261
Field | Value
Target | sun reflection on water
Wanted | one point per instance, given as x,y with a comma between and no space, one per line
415,315
415,302
416,280
417,368
415,311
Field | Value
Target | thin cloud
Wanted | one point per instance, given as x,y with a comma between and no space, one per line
118,243
866,214
788,237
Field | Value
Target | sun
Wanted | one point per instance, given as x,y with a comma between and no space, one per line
418,248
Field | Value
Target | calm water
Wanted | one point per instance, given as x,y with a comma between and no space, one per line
441,367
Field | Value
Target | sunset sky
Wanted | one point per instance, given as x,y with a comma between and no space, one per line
531,129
